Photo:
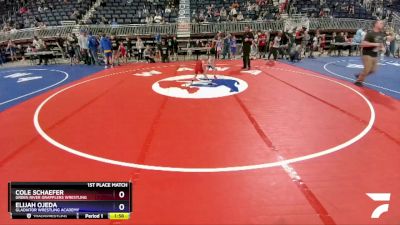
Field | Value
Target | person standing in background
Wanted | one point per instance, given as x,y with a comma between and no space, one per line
40,46
148,55
226,53
93,46
233,46
11,47
60,44
262,44
163,50
106,46
115,50
275,46
84,48
140,48
128,43
175,48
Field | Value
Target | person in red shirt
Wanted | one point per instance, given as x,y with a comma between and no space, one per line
122,51
201,67
262,44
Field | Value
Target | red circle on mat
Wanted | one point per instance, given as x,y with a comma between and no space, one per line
121,118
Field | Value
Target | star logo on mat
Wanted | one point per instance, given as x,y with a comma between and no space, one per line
148,73
187,87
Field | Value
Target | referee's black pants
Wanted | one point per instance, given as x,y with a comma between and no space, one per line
246,59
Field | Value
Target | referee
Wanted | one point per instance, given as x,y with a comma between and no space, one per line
248,38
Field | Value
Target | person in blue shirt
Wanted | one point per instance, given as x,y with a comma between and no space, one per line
106,47
157,38
358,38
93,45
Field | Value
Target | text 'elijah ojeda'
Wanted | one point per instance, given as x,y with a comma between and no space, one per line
36,205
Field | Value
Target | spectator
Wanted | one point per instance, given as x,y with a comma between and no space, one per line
140,48
27,23
275,46
226,53
341,38
235,5
84,48
60,44
262,44
233,46
1,56
351,9
358,37
223,13
11,47
175,48
148,55
72,43
76,15
149,19
234,14
240,17
157,18
40,45
115,50
93,45
106,46
157,38
168,9
128,43
163,50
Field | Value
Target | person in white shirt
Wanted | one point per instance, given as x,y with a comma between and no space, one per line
157,18
240,16
397,44
40,46
139,47
84,47
168,10
149,19
275,46
234,14
148,54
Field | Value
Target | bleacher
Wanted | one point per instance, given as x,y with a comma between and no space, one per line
394,6
131,12
269,9
8,7
337,8
56,11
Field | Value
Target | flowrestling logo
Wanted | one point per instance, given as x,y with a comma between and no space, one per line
187,87
380,197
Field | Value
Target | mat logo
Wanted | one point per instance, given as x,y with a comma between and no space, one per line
187,87
148,73
382,63
23,77
393,63
379,197
357,66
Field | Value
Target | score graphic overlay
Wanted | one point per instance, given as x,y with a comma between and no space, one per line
66,200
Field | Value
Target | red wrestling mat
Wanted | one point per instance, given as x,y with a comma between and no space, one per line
274,145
